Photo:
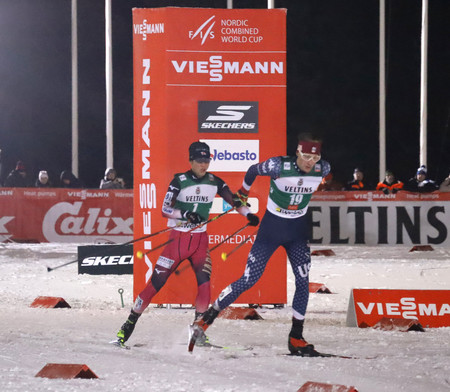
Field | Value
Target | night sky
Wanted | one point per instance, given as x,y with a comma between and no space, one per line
332,83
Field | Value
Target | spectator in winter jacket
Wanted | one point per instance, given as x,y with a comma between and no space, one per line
43,181
357,184
420,183
111,181
68,180
18,177
329,184
390,184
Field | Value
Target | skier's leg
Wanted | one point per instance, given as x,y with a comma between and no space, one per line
166,264
300,258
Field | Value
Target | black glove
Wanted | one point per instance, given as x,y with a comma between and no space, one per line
192,217
253,219
386,191
240,199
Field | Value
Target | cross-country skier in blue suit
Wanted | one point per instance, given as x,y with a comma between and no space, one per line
293,181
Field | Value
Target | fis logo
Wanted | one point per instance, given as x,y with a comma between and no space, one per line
204,31
227,117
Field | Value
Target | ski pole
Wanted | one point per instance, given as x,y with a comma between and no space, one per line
49,269
211,220
195,227
231,235
157,247
226,255
178,272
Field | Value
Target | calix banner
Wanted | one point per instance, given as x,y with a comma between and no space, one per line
66,215
219,76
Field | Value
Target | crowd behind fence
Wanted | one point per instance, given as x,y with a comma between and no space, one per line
19,178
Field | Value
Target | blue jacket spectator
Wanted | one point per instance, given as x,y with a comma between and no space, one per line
420,183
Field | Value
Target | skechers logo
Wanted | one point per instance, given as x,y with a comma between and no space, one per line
106,260
227,117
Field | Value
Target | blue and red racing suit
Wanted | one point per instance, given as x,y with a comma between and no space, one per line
284,224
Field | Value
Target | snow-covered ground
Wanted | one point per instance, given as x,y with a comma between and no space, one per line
159,361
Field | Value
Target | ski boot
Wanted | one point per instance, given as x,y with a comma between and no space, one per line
197,330
126,330
297,344
202,339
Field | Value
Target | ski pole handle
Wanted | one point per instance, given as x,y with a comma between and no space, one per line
196,227
211,220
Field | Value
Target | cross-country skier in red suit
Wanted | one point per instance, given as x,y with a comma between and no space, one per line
293,181
187,205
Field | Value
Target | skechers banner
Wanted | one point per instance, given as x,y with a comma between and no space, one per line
227,117
105,259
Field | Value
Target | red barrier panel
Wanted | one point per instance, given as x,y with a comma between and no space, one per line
312,386
368,306
30,215
66,215
66,371
49,302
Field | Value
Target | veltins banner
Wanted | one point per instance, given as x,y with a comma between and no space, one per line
218,76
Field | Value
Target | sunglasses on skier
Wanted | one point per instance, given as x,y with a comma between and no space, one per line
310,157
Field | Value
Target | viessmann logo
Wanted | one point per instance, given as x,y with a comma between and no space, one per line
216,67
227,117
232,155
407,307
144,29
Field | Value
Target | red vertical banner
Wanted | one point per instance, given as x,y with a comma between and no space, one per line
218,76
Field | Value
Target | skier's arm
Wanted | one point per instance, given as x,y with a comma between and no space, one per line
270,167
168,210
225,192
326,168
